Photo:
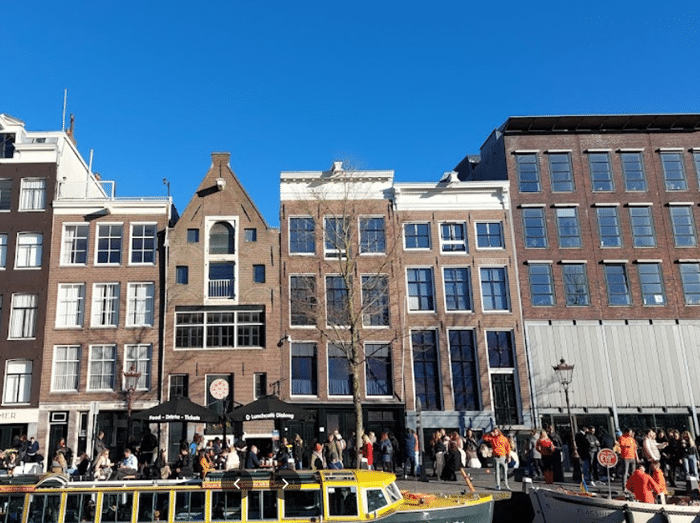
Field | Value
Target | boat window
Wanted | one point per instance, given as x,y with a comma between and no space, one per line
226,506
302,503
153,506
11,508
80,508
117,507
342,501
394,492
262,504
43,508
189,506
375,499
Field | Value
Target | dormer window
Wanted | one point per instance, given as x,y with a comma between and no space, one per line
7,145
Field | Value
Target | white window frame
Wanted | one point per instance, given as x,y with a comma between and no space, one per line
508,297
461,243
60,373
312,325
139,356
98,310
489,222
32,199
336,251
140,307
289,239
430,236
3,251
109,238
27,250
92,360
70,305
385,296
408,291
20,385
470,297
143,251
68,249
361,230
28,319
232,258
328,372
6,190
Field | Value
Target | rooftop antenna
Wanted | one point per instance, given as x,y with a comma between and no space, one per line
65,100
90,164
167,184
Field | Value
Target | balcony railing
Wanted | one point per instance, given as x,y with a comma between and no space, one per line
221,288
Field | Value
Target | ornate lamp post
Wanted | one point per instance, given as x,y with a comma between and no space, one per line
565,373
131,380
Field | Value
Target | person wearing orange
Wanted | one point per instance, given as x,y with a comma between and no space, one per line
546,449
658,475
628,454
642,485
501,450
205,463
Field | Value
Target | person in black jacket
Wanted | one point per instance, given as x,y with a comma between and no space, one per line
183,467
453,462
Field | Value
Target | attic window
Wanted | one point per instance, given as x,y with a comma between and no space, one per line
7,145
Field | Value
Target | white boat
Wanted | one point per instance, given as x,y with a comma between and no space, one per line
563,506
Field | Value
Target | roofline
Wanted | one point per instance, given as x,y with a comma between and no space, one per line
587,123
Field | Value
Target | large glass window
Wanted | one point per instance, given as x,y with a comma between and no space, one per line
609,227
109,244
139,308
222,239
457,289
66,368
101,370
105,305
302,504
154,505
534,228
190,506
528,172
221,329
378,369
601,172
302,239
18,382
494,289
3,251
417,235
642,224
143,243
302,291
337,236
633,171
74,245
70,305
372,235
420,289
575,284
683,224
690,278
541,285
617,284
674,173
137,357
453,237
568,227
560,174
652,284
339,372
32,196
304,369
375,301
426,369
465,378
29,249
337,306
489,235
45,508
342,501
23,316
222,282
5,194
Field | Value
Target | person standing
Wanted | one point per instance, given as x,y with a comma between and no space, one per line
690,455
594,448
409,444
386,450
545,448
534,455
628,454
501,450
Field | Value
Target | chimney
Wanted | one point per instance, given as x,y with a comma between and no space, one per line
71,130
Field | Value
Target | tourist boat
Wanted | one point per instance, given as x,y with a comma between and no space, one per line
240,496
562,506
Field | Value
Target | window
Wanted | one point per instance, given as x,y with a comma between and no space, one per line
560,172
192,235
601,172
494,289
105,305
23,316
642,224
261,505
465,378
3,251
683,225
221,329
29,247
457,289
337,237
304,373
375,301
32,196
179,386
337,307
109,244
489,235
18,382
222,283
5,194
143,244
528,172
575,284
302,236
7,145
378,369
342,501
182,274
372,235
502,374
138,358
189,506
101,370
222,239
453,237
70,305
541,285
66,368
426,369
535,228
696,160
139,307
302,291
339,372
674,174
633,171
74,245
420,289
259,384
652,284
417,235
609,227
690,278
258,274
617,284
568,227
251,235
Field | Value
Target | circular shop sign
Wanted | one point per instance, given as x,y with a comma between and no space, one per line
607,458
219,388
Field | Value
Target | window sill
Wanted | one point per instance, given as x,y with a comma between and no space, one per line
103,326
31,210
149,264
68,327
28,268
20,339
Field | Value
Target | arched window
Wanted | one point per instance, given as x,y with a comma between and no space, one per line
222,239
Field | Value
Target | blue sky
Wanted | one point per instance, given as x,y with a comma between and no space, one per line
156,86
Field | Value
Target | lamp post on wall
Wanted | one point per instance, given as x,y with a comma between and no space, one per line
565,373
131,380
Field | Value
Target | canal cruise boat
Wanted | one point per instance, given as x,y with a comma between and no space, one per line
239,496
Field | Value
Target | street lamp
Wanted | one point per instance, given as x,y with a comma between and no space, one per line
565,373
131,379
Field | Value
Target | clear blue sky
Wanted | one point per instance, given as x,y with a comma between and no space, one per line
414,87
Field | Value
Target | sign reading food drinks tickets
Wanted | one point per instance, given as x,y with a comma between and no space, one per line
607,458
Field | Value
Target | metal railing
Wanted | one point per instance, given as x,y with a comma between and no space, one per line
221,288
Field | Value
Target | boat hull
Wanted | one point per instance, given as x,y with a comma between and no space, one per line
480,511
561,507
